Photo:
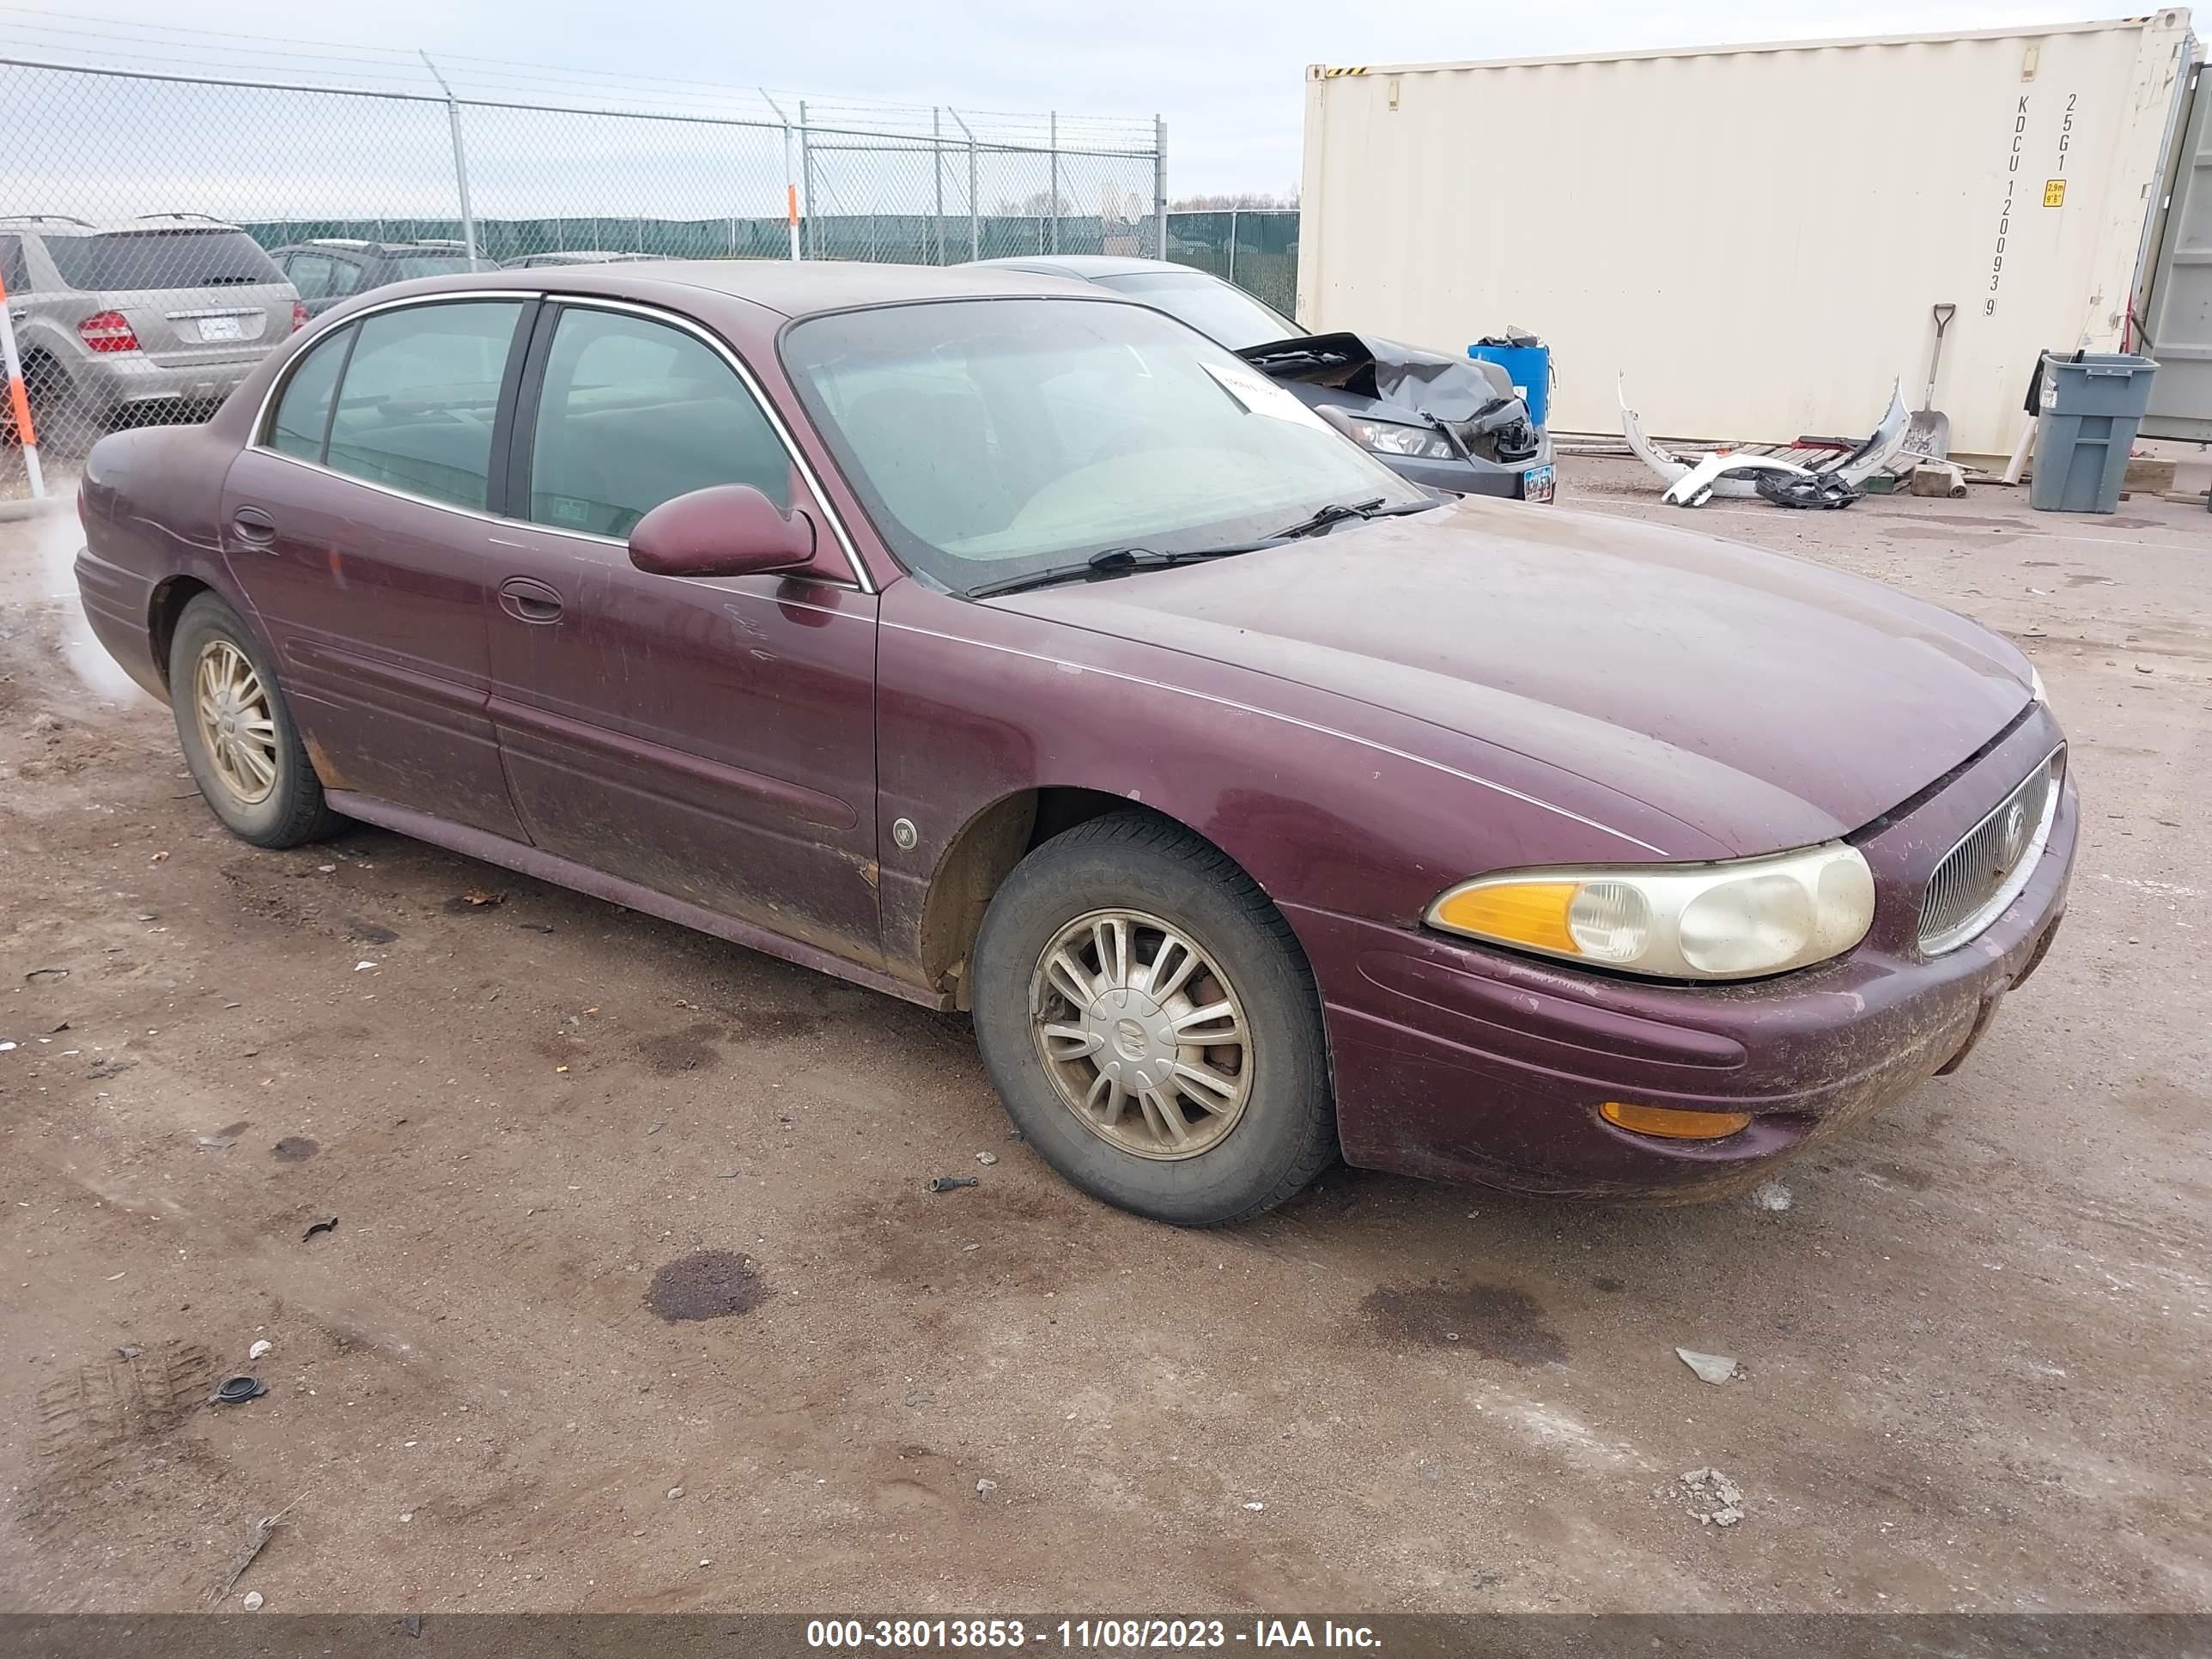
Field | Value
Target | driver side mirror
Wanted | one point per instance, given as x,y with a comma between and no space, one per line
729,529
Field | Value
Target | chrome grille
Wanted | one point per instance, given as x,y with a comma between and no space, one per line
1985,871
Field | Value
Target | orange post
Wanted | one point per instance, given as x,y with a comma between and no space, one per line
19,399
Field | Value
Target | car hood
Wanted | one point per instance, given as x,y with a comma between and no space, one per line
1765,702
1388,371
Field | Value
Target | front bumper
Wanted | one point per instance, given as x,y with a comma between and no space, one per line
1460,1063
1475,476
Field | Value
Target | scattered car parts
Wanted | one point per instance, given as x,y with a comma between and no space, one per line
1736,472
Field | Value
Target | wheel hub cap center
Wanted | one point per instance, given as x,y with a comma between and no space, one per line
1136,1038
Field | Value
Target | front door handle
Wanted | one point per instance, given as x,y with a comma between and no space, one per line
529,600
254,527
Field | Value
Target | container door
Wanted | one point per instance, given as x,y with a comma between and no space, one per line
2176,325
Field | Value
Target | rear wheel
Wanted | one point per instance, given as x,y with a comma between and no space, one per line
1151,1026
56,412
237,733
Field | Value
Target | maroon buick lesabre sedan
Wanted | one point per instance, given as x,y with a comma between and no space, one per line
1008,647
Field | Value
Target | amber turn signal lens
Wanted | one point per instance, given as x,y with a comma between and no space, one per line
1532,913
1671,1124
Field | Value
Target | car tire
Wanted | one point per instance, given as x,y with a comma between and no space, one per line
237,733
1200,1133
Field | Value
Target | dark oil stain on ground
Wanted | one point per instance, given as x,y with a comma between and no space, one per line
370,933
292,1148
1607,1283
1494,1322
706,1284
674,1052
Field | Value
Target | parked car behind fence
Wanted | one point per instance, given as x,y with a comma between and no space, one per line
137,317
331,269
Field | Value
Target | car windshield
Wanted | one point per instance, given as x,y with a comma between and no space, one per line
162,258
1216,309
991,439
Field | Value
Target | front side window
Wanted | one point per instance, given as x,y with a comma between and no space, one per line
420,396
993,439
635,413
12,271
303,413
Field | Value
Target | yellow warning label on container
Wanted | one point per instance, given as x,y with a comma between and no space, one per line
2054,193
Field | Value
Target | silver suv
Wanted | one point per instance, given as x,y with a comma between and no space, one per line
117,321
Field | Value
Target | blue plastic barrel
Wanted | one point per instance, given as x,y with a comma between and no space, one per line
1530,368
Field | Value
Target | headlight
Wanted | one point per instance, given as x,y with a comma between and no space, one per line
1728,921
2035,690
1389,437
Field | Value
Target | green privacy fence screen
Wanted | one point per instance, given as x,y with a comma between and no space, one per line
1257,250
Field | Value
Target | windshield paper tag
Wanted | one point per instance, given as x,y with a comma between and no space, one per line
1261,396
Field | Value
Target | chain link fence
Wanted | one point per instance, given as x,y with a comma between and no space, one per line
1255,248
159,233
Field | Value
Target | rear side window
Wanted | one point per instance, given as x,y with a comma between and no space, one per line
412,266
12,271
635,413
303,413
161,258
311,274
420,394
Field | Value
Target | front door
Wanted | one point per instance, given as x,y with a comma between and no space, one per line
357,527
712,739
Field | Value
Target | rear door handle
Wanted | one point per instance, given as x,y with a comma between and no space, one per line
529,600
254,527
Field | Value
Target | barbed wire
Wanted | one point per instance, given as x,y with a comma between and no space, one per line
88,40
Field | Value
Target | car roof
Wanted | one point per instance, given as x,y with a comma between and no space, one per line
357,245
793,288
63,224
1085,267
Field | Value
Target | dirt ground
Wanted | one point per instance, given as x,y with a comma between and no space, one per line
552,1132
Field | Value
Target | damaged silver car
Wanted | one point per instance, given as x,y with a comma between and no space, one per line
1447,423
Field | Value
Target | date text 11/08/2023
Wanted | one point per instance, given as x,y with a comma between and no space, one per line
1083,1634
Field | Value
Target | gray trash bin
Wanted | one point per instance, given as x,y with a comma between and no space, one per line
2091,408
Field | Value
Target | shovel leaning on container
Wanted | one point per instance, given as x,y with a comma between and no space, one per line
1930,434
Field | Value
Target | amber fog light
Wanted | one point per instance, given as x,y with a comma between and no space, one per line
1672,1124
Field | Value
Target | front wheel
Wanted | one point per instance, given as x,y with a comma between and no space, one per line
1151,1024
237,733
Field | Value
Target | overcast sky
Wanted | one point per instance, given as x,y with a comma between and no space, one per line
1227,77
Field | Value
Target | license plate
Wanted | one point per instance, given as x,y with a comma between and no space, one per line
221,328
1536,484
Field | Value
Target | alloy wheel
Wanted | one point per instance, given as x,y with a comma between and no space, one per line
237,727
1142,1033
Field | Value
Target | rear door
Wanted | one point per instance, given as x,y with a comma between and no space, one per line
359,525
713,739
196,296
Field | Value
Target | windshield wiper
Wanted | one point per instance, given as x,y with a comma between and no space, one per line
1337,511
1119,562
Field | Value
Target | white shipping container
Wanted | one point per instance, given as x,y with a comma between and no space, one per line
1755,236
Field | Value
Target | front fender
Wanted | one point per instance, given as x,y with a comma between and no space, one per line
1333,806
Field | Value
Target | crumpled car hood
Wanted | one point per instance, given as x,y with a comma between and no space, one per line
1765,701
1450,388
